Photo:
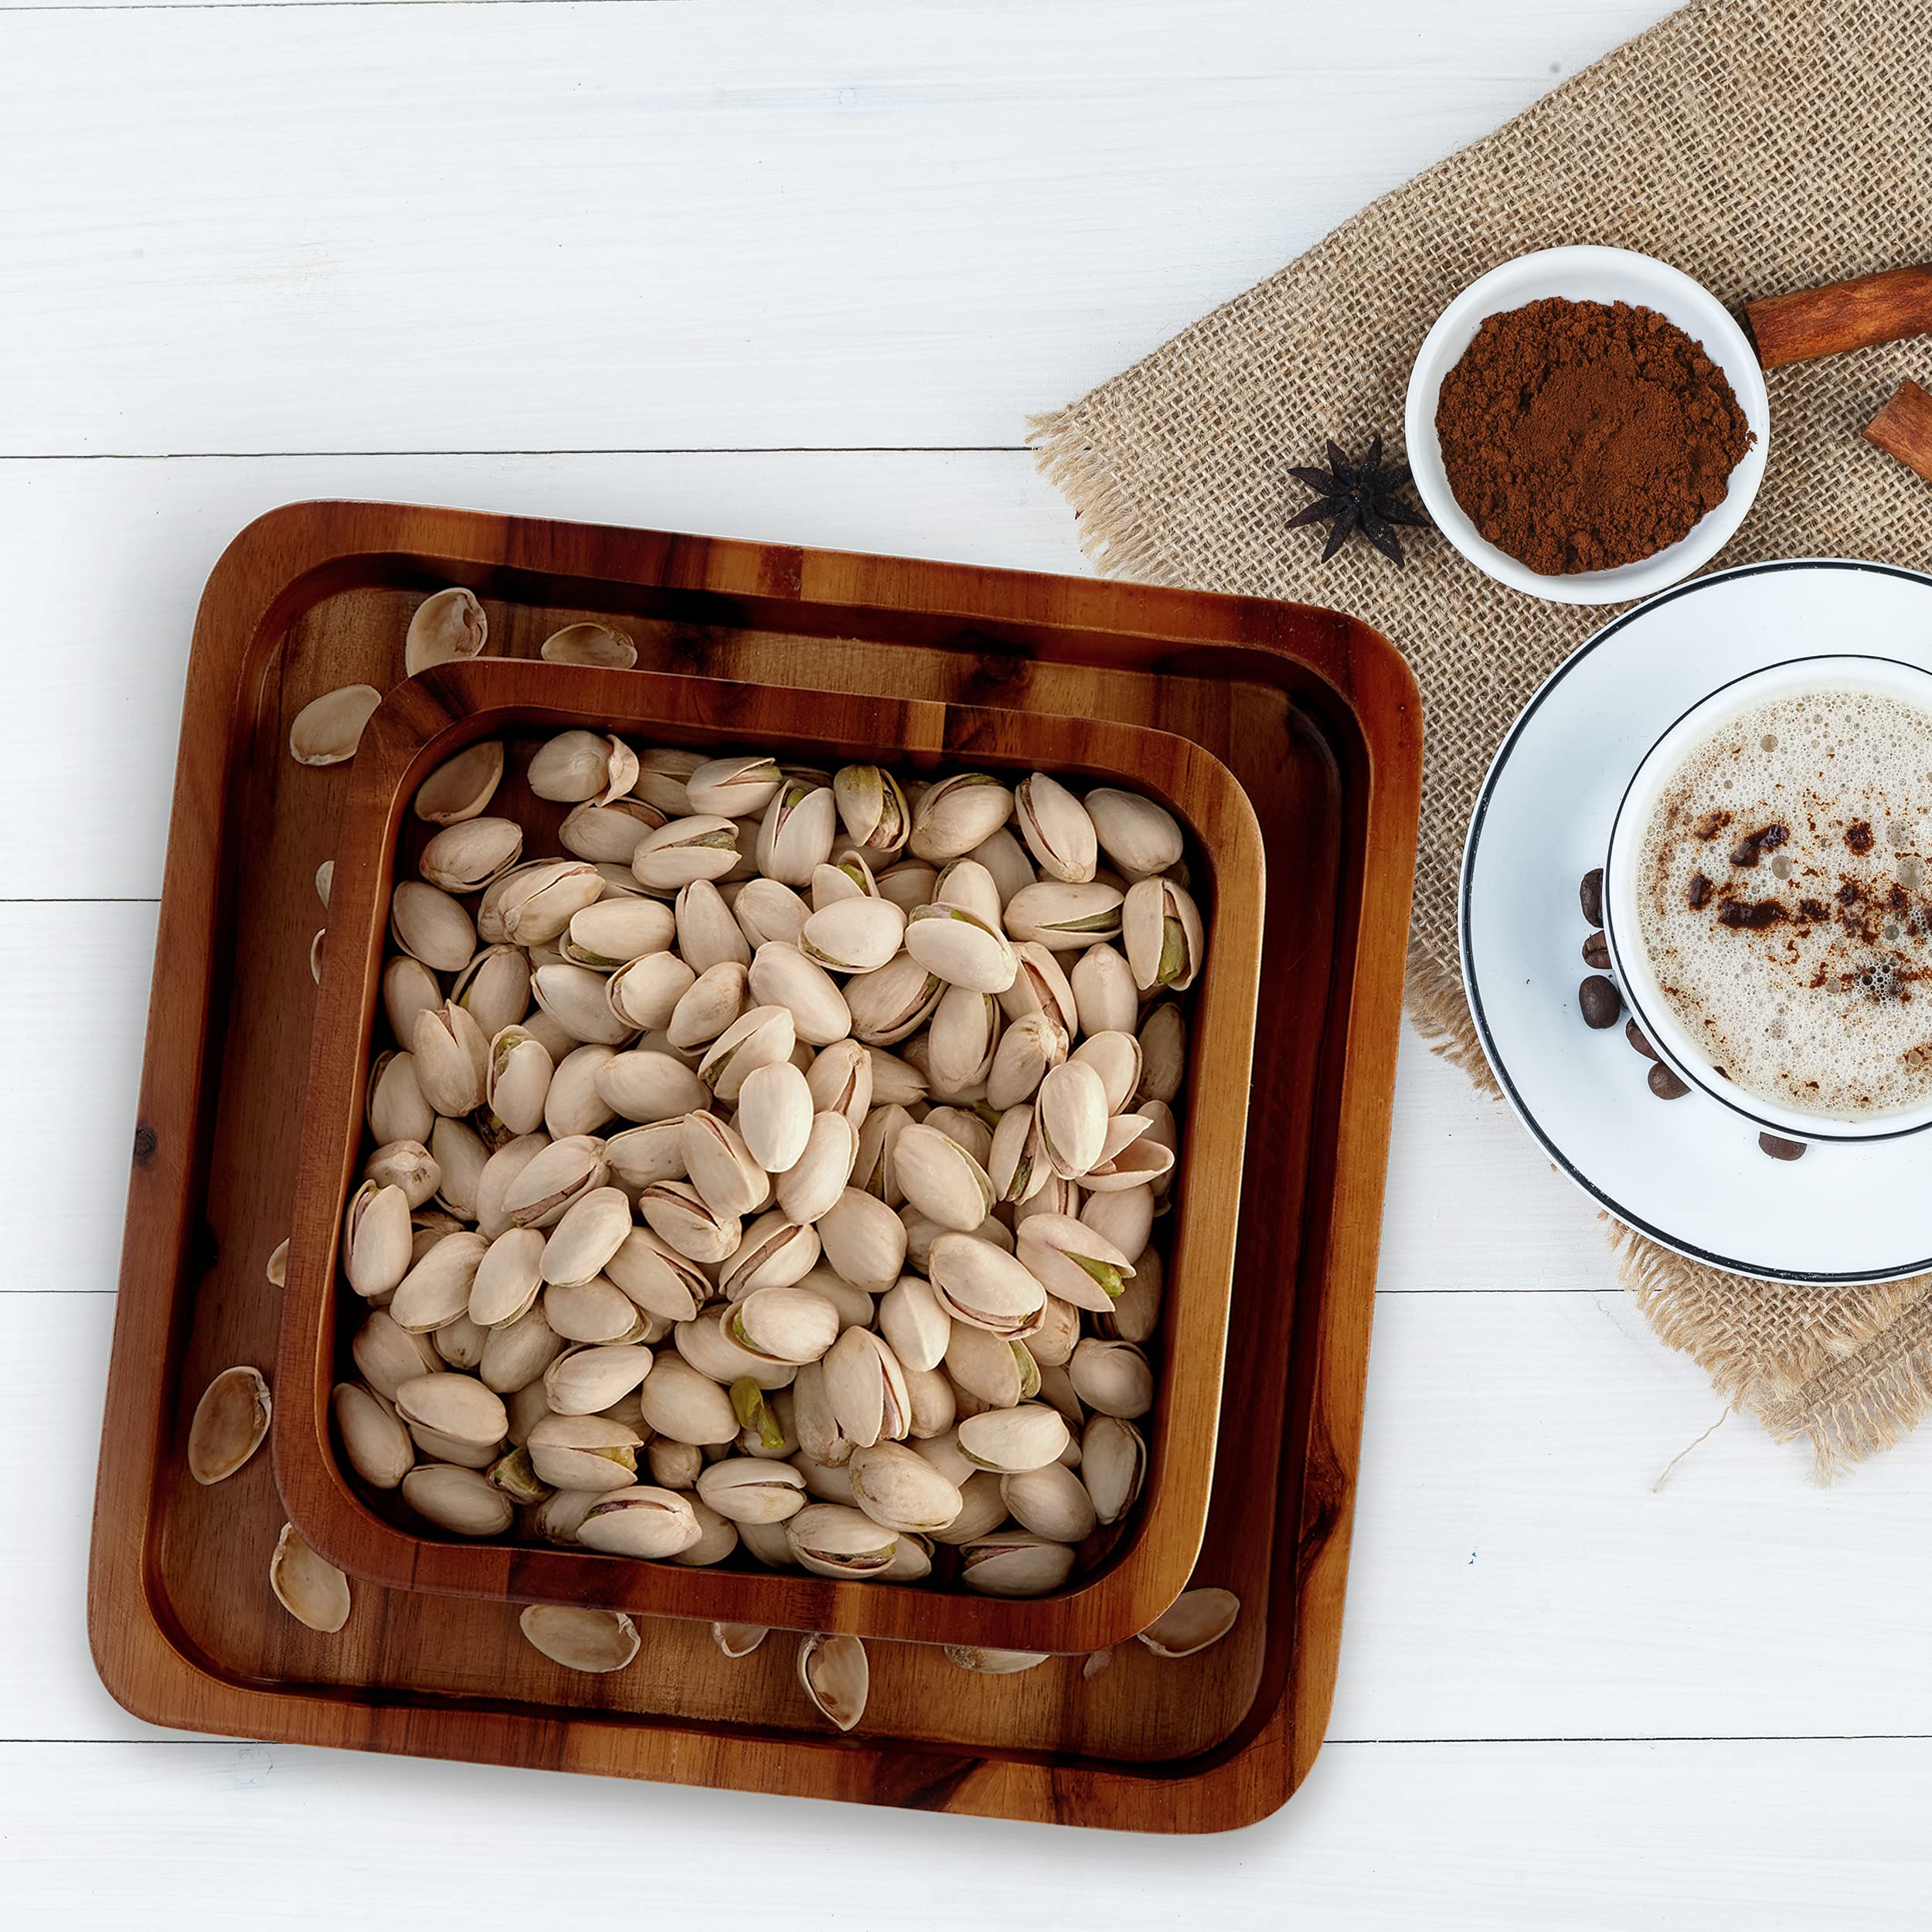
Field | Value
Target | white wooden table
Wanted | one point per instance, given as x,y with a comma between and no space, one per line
797,270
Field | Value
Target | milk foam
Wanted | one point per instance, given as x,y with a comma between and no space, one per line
1785,895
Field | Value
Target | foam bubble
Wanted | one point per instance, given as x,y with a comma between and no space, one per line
1805,968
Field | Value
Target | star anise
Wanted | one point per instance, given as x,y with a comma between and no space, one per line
1350,496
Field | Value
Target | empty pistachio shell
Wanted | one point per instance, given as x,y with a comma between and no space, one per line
457,1499
641,1521
993,1663
313,1592
462,786
1015,1562
739,1640
568,1634
1056,827
447,626
328,730
594,644
1196,1619
1064,918
230,1421
835,1676
1160,928
277,1269
978,1283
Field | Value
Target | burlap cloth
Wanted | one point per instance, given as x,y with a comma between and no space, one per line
1760,145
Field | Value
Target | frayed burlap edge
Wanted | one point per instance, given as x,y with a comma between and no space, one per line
1115,537
1862,1381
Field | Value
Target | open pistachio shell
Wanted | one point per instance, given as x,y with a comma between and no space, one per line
313,1592
327,728
445,627
596,1640
994,1663
739,1640
1196,1619
230,1421
836,1679
594,644
462,786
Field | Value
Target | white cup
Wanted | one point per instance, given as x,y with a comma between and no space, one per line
1675,1045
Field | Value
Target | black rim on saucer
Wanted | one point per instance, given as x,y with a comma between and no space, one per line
1472,987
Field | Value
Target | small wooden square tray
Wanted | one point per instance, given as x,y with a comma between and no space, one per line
1318,718
430,718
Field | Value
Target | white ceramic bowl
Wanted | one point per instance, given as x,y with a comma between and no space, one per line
1586,275
1676,1044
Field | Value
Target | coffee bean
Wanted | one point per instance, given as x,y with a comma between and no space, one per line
1665,1084
1596,952
1591,893
1638,1041
1779,1149
1600,1002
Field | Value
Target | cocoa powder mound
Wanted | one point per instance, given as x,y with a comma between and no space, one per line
1579,435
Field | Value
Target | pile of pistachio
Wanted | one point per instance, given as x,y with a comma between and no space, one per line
775,1169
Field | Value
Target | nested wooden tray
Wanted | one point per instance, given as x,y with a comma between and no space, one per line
1313,712
425,720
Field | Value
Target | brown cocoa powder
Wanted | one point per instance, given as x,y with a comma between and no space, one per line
1579,435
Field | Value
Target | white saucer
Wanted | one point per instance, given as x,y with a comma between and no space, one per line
1686,1172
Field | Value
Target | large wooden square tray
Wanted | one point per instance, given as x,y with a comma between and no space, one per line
1317,717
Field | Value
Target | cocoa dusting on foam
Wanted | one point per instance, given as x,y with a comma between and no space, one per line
1799,950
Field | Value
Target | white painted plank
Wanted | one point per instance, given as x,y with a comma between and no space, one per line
1515,1573
1515,1839
683,226
105,563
